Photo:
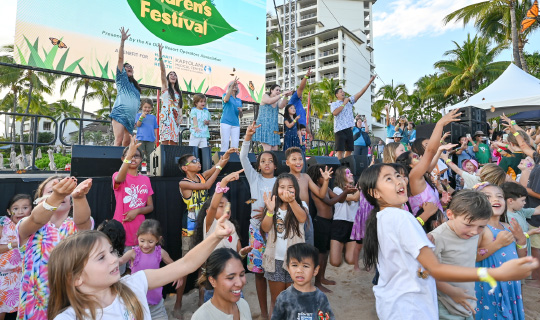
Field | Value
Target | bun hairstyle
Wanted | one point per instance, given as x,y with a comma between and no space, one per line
215,264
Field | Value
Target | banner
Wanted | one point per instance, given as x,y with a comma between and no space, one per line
206,42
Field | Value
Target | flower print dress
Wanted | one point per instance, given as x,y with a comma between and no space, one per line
506,302
10,269
169,114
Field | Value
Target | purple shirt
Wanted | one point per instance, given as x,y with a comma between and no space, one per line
145,261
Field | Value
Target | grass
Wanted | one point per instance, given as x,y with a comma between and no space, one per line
192,87
256,96
46,61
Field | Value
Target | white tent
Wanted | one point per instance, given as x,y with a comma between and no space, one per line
514,91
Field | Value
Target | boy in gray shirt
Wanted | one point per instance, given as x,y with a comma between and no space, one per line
456,243
302,300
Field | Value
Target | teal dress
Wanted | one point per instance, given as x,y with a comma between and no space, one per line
506,302
269,130
127,101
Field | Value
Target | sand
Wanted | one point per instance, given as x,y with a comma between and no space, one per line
352,297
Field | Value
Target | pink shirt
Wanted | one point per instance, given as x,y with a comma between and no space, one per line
131,194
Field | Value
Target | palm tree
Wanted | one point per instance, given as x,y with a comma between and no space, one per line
471,66
63,109
499,20
533,61
78,83
390,95
272,48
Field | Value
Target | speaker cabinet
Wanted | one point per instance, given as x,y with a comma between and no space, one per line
164,160
234,163
456,129
95,161
331,162
356,164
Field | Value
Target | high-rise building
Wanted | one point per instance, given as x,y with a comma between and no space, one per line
333,37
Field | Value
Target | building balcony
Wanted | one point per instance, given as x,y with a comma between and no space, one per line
308,19
271,70
306,8
329,43
328,53
307,49
306,34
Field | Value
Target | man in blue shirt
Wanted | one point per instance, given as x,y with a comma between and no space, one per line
296,100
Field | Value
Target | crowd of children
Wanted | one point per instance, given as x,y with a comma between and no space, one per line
438,253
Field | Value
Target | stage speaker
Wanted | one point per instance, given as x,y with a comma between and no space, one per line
205,154
164,160
331,162
234,163
282,163
356,164
456,129
95,161
471,113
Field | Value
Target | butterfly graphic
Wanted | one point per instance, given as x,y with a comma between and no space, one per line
251,86
532,17
57,42
250,201
233,71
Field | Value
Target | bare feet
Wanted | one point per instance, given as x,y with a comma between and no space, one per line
177,314
323,288
327,282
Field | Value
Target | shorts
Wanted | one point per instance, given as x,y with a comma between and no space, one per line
157,311
188,243
255,256
308,230
198,142
322,228
281,275
344,140
535,238
341,231
444,314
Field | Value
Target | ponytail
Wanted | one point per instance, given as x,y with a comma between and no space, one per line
371,240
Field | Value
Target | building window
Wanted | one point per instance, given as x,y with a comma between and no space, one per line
47,126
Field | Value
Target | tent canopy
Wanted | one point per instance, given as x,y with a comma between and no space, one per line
513,91
527,117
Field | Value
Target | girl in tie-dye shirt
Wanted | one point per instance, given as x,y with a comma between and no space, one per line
50,222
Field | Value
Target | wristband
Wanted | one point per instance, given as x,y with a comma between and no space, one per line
141,119
484,276
127,161
420,220
306,76
521,246
442,141
219,189
448,160
220,168
507,147
516,134
268,214
9,246
343,105
47,206
294,121
526,235
513,122
500,150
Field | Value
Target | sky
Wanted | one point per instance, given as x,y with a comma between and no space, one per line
409,36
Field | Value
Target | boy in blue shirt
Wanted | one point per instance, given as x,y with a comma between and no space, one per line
146,128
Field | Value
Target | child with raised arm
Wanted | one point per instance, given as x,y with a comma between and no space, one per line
396,243
85,279
201,119
148,255
322,224
260,181
302,300
133,194
194,191
283,222
295,162
456,243
49,223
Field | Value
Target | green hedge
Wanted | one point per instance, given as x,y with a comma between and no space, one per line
59,160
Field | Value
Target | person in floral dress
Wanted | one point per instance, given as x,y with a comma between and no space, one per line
170,112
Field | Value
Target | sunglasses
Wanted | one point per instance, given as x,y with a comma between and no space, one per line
128,66
196,160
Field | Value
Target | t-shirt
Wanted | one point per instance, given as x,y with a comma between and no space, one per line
399,289
281,241
346,210
300,111
230,242
521,217
483,155
201,116
345,119
412,135
470,180
453,250
146,132
390,130
209,312
138,283
510,164
360,141
466,154
534,184
230,111
131,194
292,304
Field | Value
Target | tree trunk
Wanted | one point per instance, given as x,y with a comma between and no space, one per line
515,40
13,120
522,56
81,126
21,137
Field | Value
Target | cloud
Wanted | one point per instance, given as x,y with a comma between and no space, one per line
412,18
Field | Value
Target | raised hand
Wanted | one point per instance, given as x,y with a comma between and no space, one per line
308,73
82,189
297,117
160,50
269,201
227,154
288,93
451,116
447,147
252,128
224,227
327,173
287,196
430,208
517,232
133,145
232,176
124,34
64,187
245,250
445,136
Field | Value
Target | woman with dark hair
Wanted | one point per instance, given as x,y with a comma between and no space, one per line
230,124
225,274
170,113
127,100
268,133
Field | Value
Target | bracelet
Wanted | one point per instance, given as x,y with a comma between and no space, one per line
343,105
521,246
484,276
220,189
448,160
47,206
220,168
516,134
141,119
127,161
500,150
526,235
513,122
9,246
442,141
294,121
306,76
507,147
243,256
420,220
268,214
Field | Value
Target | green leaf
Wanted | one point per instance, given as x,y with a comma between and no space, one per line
261,92
62,62
35,59
82,70
72,66
185,24
21,57
200,86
